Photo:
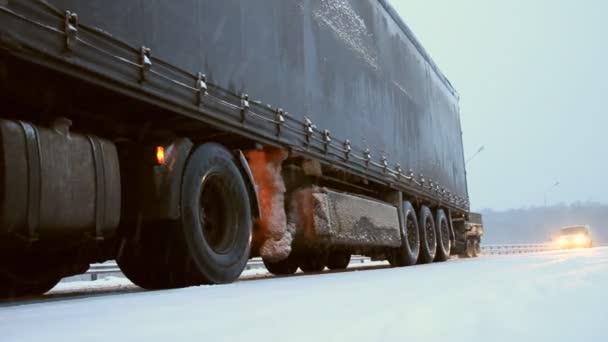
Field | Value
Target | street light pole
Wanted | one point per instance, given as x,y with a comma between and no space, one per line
554,185
481,148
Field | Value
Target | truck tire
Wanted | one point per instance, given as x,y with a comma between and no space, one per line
41,287
409,251
284,267
338,260
444,245
216,222
10,289
428,238
313,263
146,262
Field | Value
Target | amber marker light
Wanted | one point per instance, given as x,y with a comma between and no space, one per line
160,155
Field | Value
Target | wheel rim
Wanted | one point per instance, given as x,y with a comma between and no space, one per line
431,240
445,234
215,225
412,239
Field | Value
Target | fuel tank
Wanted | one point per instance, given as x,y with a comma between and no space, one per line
56,183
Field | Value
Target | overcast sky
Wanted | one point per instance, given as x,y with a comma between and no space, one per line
532,79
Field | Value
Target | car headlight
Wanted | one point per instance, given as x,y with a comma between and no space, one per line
581,239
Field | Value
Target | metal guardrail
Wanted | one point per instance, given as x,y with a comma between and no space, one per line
97,271
107,268
517,249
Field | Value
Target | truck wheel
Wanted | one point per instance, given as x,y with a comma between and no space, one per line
215,215
428,238
312,263
41,287
338,260
284,267
11,289
7,289
146,261
444,244
409,251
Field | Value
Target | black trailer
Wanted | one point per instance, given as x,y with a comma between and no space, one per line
328,103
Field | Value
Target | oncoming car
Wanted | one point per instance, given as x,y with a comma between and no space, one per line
574,237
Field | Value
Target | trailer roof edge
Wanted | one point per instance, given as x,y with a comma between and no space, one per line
408,32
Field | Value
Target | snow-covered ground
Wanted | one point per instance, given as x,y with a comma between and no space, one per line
115,284
552,296
109,284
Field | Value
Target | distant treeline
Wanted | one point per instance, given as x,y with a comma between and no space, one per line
539,224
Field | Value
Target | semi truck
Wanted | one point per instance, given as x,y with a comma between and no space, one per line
182,138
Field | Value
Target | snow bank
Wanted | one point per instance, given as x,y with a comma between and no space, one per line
106,284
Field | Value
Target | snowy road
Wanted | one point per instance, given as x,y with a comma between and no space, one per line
552,296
